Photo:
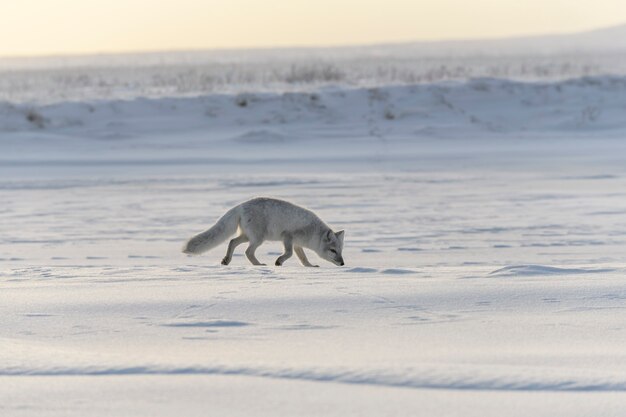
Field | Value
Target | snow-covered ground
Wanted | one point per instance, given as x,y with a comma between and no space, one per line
187,74
485,231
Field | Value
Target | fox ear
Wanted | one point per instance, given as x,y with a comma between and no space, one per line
340,235
328,235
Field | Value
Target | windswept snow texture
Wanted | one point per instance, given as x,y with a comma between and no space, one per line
485,231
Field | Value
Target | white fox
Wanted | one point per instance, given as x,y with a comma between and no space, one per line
262,219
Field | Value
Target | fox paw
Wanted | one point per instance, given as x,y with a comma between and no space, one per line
225,261
278,263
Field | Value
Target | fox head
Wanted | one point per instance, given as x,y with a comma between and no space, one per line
332,246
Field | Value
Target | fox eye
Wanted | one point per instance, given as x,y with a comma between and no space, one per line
333,251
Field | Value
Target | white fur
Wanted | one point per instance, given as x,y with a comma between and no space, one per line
262,219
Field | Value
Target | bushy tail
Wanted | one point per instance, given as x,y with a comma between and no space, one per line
222,230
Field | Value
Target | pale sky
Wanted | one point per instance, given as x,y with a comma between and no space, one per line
45,27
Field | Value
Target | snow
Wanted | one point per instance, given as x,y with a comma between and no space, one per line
484,253
476,108
44,80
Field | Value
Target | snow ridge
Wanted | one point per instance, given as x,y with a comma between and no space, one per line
478,106
462,377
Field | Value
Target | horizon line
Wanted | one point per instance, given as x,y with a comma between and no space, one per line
264,48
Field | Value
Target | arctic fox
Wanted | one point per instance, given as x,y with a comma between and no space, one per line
262,219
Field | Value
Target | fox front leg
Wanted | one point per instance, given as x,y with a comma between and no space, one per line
302,256
288,251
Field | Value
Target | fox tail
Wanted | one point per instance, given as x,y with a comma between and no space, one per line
222,230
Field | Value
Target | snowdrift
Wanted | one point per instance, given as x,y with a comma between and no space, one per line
476,107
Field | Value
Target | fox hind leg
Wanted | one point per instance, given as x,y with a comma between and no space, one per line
231,248
288,251
250,252
302,256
